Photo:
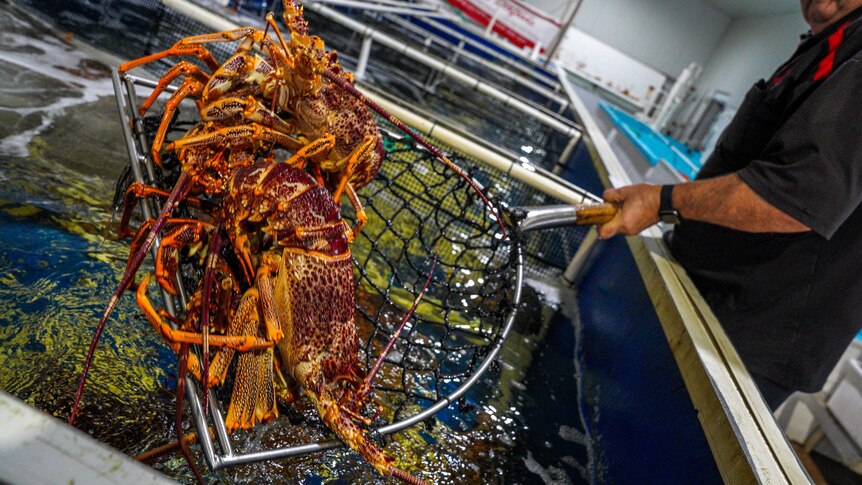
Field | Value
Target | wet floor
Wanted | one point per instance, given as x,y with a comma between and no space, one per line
61,151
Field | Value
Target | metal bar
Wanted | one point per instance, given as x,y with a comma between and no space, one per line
555,43
228,458
136,158
459,50
546,217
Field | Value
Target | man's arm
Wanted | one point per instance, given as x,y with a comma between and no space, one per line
725,200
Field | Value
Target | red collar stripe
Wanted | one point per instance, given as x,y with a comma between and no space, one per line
828,62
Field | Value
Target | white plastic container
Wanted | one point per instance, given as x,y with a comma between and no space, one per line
845,403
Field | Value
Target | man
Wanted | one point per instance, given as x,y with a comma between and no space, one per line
771,229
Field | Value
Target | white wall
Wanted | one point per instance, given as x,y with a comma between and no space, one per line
606,66
666,35
752,48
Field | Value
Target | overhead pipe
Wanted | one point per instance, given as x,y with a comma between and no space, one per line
534,176
456,74
390,7
526,66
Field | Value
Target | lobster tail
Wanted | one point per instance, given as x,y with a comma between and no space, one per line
355,437
253,398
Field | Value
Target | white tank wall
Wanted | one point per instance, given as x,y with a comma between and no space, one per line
667,35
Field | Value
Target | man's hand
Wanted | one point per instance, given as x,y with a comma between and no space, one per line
637,209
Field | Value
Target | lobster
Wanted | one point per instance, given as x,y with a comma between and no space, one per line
296,313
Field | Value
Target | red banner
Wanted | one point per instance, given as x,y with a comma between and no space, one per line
515,21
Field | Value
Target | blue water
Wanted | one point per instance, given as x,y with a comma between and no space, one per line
656,146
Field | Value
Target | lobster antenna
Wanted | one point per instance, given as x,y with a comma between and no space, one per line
366,386
180,191
333,76
181,381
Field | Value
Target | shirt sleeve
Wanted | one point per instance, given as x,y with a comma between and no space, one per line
811,169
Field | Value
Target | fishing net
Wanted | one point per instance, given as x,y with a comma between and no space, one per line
416,207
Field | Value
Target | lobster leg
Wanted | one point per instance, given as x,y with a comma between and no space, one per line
179,234
183,68
360,155
250,108
241,342
138,191
234,135
361,217
190,87
178,50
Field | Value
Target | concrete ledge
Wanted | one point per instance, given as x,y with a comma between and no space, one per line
37,448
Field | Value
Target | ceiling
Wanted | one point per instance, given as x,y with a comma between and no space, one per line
747,8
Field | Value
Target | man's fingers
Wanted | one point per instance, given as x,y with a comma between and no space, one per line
611,228
612,195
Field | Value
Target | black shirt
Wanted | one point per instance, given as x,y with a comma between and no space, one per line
791,303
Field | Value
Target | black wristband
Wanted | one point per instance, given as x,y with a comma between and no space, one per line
666,211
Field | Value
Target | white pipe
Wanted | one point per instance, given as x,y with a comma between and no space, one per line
200,14
531,175
446,69
362,62
390,3
411,9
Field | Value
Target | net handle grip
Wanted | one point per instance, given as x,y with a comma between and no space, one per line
595,214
